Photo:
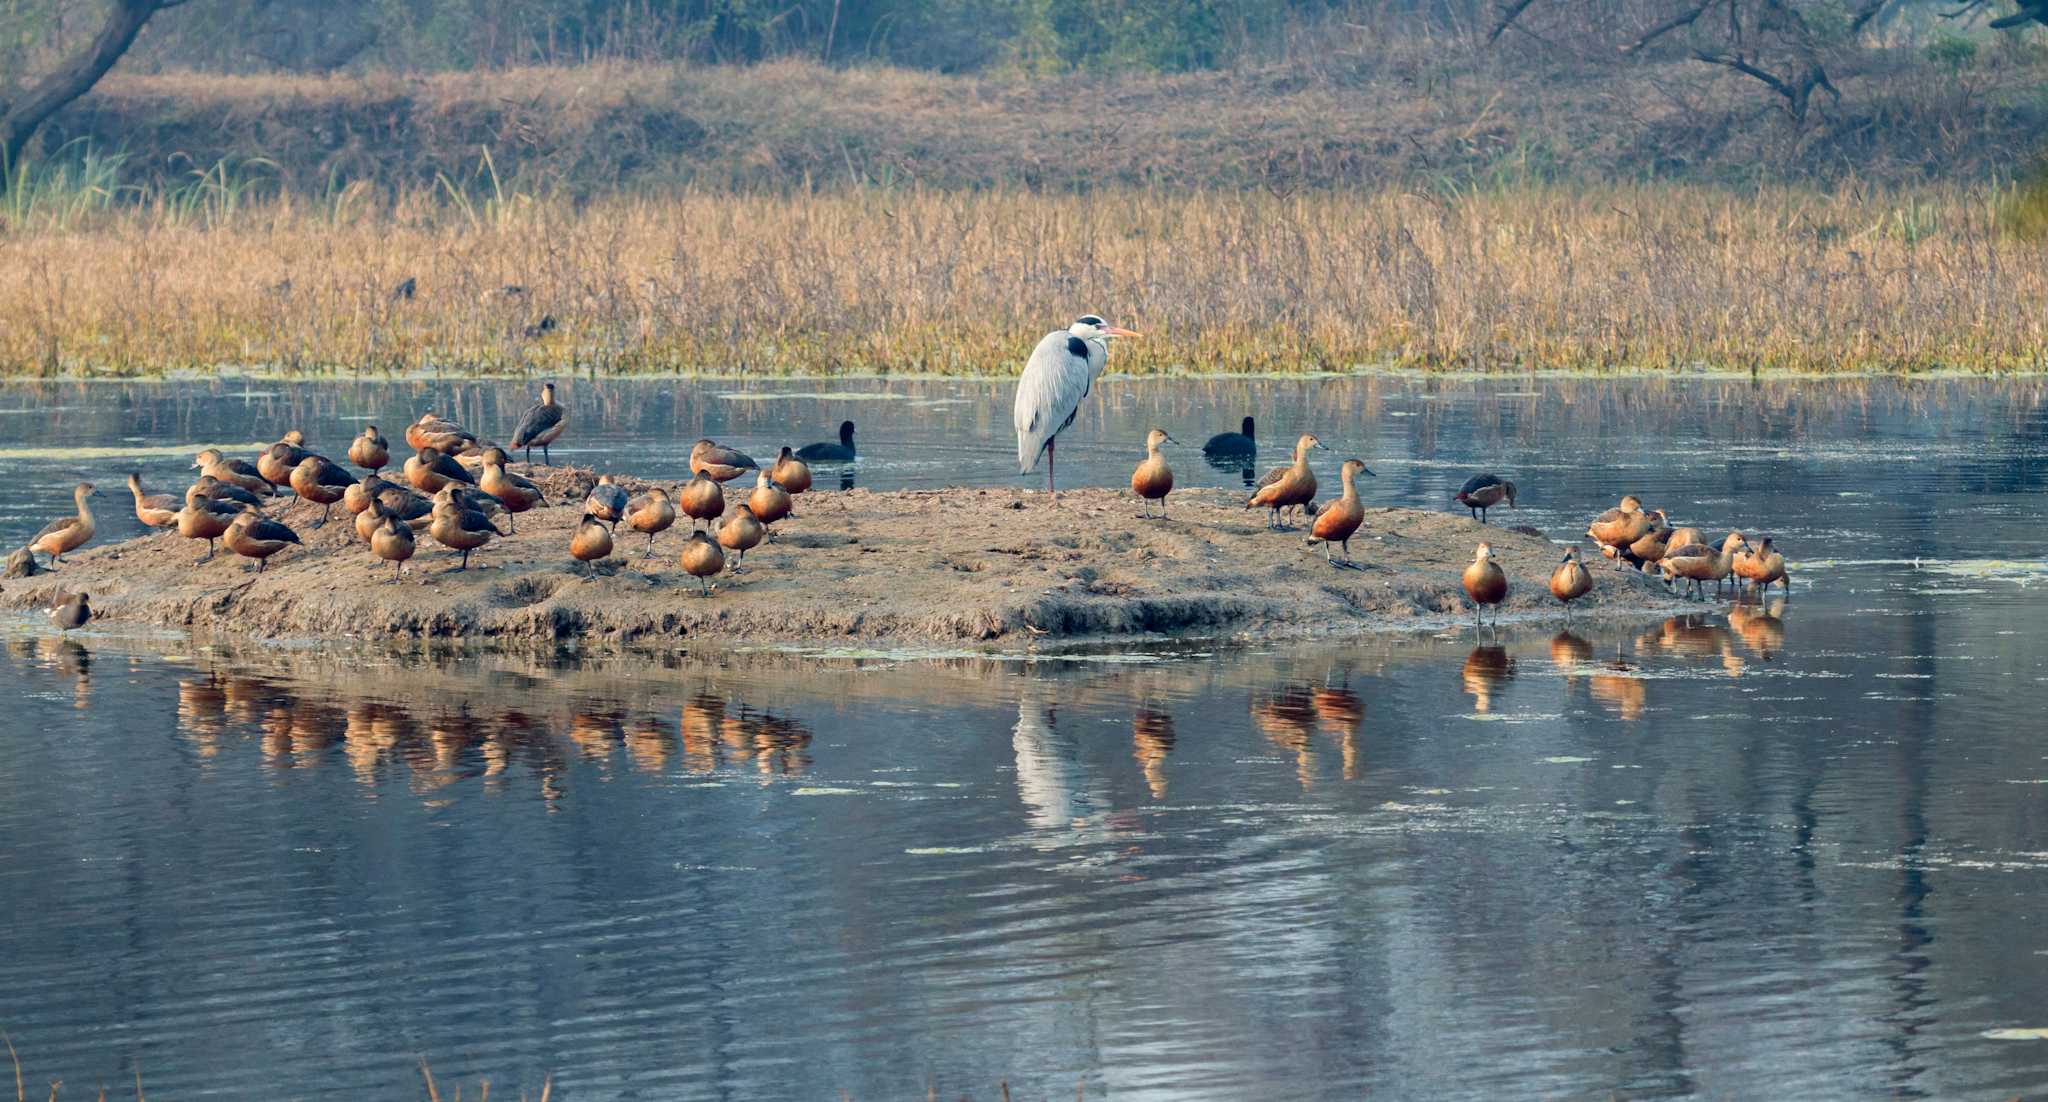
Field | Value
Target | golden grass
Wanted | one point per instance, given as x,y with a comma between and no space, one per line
1656,278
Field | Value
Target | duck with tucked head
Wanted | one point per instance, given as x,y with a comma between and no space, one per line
719,463
769,502
590,542
1485,582
67,533
153,510
369,450
317,479
790,473
276,462
1290,486
652,513
1153,479
702,559
255,536
71,613
1340,521
841,452
607,501
431,468
1570,581
458,527
741,534
1484,491
205,518
392,539
440,434
702,499
213,489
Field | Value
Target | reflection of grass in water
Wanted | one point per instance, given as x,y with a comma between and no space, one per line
62,454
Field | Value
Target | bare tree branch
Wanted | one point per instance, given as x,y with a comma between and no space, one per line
1509,14
1865,14
73,78
1682,19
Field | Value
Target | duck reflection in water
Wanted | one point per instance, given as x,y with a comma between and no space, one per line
70,658
1287,717
1487,670
1761,624
1695,636
202,713
1151,740
1339,712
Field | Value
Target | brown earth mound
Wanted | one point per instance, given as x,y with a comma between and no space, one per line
992,568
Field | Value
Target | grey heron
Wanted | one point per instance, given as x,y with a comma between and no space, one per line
1059,374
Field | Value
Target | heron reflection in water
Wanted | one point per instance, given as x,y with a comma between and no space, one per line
1056,790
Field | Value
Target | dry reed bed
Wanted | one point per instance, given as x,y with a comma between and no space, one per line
1652,278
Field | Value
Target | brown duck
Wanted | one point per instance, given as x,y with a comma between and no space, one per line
276,462
236,471
516,493
1484,491
392,539
153,510
213,489
1288,487
652,513
1699,563
702,499
1762,567
1570,581
458,527
358,498
607,501
790,473
433,431
317,479
541,426
1485,582
203,518
431,469
702,559
1337,523
1153,479
741,534
591,541
67,533
255,536
1619,527
721,464
769,502
369,450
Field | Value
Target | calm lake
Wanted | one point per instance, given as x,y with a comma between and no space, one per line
1790,850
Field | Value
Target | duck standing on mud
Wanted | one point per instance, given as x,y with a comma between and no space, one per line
1619,527
255,536
319,480
541,426
153,510
592,541
432,469
1060,372
276,462
1485,582
1570,581
719,463
607,501
235,472
458,527
1337,523
702,499
68,533
702,559
1287,487
1153,479
369,450
515,493
790,473
652,513
391,540
741,534
1484,491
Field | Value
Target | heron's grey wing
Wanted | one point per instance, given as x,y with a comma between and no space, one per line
1048,394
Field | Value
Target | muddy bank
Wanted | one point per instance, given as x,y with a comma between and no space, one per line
992,568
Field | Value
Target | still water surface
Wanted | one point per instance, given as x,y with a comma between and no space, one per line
1796,850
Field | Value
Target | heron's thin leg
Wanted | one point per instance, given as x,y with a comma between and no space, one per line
1050,488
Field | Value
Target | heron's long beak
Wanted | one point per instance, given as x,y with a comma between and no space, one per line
1113,331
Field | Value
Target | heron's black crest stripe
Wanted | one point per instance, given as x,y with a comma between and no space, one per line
1090,319
1077,347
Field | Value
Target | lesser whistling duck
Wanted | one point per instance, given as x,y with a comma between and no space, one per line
517,494
1153,479
432,469
1484,491
1763,566
440,434
740,534
255,536
1698,563
842,452
153,510
719,463
1485,582
67,533
213,489
413,508
358,498
768,501
790,473
369,450
1651,547
1243,442
1619,527
607,501
236,471
590,542
204,518
543,423
702,558
318,479
391,540
702,499
1337,523
652,513
458,527
1570,581
275,462
1287,487
71,612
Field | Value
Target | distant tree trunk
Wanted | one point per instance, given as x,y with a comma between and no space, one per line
20,120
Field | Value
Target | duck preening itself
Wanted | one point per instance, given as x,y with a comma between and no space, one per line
607,501
769,501
790,473
1763,566
1153,479
70,613
1290,486
541,426
1059,374
1619,527
1484,491
458,527
592,541
841,452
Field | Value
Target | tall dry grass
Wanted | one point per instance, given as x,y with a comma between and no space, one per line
1658,277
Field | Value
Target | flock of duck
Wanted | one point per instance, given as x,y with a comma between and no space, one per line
455,487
